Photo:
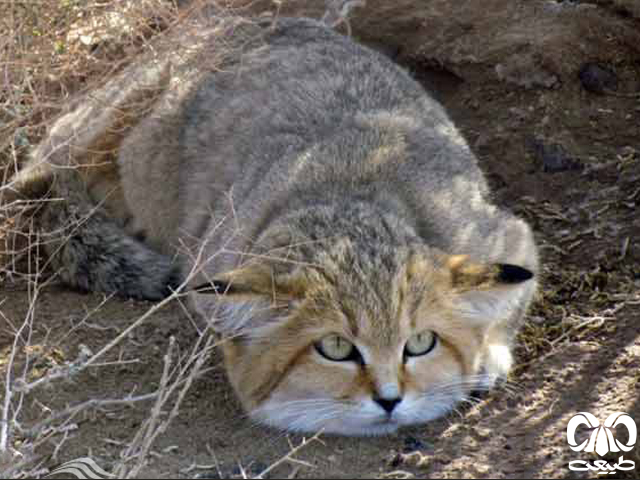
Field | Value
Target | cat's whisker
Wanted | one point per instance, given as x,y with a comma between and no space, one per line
470,401
479,382
305,414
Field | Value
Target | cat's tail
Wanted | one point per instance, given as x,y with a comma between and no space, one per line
89,249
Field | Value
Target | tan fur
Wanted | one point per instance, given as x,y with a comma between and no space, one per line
332,195
423,295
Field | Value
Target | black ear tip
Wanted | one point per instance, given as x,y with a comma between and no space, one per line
513,273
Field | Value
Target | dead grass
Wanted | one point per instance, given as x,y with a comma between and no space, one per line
54,51
29,368
580,300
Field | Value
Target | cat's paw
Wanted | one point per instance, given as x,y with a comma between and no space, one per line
496,364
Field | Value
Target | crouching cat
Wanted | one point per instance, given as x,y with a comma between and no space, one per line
331,222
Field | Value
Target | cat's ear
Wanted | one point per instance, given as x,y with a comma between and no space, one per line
253,299
257,280
485,293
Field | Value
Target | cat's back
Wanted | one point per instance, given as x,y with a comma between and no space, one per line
308,103
305,113
301,85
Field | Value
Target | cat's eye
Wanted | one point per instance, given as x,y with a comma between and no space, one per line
337,348
420,343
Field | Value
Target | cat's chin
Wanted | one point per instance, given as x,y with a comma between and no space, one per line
318,415
346,428
371,430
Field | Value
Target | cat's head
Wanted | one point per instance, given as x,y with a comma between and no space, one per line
361,343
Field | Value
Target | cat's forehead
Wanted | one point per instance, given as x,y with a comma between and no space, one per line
379,291
383,309
380,330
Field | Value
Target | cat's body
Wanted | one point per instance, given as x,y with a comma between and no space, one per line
369,282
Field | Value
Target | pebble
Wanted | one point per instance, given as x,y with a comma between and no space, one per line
411,444
207,474
553,157
597,78
254,469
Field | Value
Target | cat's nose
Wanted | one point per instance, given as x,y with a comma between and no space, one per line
388,404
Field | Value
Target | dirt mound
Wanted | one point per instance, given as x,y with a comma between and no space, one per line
540,44
565,157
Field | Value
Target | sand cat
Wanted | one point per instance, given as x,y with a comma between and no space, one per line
331,221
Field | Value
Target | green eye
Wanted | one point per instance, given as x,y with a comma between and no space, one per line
337,348
420,344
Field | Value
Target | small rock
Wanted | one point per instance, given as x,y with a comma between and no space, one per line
208,474
628,151
525,71
597,78
257,468
519,114
484,433
254,469
479,394
395,460
411,444
554,157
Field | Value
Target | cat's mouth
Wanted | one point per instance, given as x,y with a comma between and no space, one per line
388,420
381,427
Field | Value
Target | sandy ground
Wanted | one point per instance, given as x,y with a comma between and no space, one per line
564,158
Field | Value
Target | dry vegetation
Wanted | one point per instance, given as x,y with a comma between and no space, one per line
53,50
